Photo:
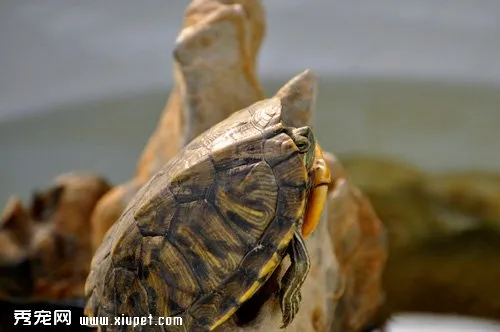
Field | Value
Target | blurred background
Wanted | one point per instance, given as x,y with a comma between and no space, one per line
425,72
83,83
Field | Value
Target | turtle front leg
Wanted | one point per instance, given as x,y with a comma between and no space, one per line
294,278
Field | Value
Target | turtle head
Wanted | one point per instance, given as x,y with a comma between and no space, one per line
319,177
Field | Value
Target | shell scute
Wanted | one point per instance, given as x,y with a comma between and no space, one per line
208,243
153,210
265,113
248,151
246,197
291,173
167,275
193,183
292,203
126,250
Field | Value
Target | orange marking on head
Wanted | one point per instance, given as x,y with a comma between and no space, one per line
317,197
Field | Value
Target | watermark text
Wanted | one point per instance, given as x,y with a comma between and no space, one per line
63,317
130,321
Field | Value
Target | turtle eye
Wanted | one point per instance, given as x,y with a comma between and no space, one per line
303,144
302,138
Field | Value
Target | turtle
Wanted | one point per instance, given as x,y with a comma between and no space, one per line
207,231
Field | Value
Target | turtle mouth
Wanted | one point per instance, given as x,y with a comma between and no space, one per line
321,178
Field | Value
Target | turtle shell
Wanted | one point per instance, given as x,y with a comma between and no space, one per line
208,229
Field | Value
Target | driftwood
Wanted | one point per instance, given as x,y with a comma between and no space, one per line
214,75
444,236
45,247
360,246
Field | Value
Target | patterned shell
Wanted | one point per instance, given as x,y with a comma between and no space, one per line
205,229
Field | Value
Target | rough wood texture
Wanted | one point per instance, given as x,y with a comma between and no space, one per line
444,236
45,247
214,75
